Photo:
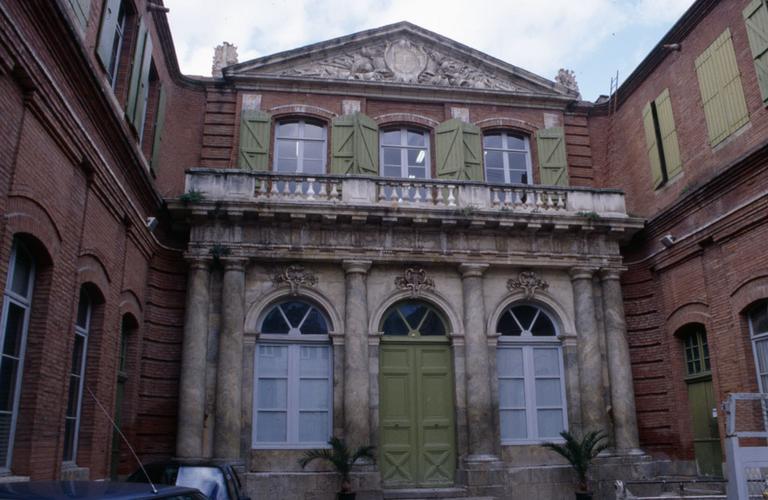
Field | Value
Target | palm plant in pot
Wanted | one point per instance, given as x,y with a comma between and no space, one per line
579,454
341,459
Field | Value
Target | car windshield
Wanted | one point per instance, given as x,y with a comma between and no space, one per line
209,480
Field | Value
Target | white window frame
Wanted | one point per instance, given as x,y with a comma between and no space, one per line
24,302
82,331
300,141
528,343
404,148
504,149
120,32
293,341
758,338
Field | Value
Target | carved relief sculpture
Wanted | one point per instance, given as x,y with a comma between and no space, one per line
295,277
415,280
528,282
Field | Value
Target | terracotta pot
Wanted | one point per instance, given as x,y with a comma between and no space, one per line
347,496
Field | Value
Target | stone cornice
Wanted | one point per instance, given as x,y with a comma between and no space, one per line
356,266
473,270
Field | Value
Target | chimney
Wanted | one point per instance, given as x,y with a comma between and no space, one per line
223,55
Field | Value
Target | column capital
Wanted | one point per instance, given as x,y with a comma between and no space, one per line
198,262
356,266
610,274
582,273
472,270
234,263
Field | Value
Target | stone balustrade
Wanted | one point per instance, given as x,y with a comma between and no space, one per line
271,188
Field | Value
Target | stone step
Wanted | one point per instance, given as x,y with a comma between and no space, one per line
429,494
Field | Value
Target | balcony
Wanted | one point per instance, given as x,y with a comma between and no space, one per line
358,199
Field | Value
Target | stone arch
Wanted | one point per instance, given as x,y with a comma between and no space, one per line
287,110
260,306
90,269
563,322
693,312
130,304
391,119
500,122
749,292
454,324
25,215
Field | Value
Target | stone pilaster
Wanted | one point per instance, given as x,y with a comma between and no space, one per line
593,416
619,365
479,406
357,429
189,437
229,369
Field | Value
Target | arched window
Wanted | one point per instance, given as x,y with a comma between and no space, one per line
293,386
507,158
696,351
17,301
530,372
758,329
300,147
405,153
77,376
413,318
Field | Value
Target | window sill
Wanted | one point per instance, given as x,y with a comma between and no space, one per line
9,477
529,442
288,446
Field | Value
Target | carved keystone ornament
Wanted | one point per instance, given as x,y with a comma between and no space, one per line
528,282
416,280
294,276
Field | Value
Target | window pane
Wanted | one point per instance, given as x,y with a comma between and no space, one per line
5,437
432,325
313,394
495,175
517,161
392,157
394,325
313,167
413,312
273,394
548,392
272,361
515,142
507,325
524,315
314,324
391,137
550,423
21,271
74,390
287,149
761,349
512,393
83,310
274,323
295,312
69,438
271,426
77,355
288,129
758,317
315,361
513,425
287,166
314,150
417,138
313,427
509,362
416,157
392,171
543,326
493,159
7,383
492,140
312,131
417,173
518,177
14,330
546,362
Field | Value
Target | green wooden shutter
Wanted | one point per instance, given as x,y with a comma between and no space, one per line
355,145
458,151
756,19
135,82
82,9
721,93
254,140
553,163
668,134
107,32
159,122
651,147
143,93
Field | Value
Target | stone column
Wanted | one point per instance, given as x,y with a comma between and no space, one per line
478,376
357,430
619,365
189,437
590,359
229,368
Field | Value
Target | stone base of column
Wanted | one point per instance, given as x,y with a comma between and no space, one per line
622,452
482,475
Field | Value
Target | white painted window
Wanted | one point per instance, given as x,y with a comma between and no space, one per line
77,377
532,406
507,158
117,45
293,381
14,324
405,153
758,328
300,147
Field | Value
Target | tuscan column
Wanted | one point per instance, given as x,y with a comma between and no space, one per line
229,369
590,359
619,366
189,437
356,382
479,407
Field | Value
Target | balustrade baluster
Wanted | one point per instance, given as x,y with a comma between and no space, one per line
334,191
310,188
451,197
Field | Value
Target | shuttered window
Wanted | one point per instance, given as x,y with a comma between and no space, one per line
405,153
355,145
138,91
553,162
254,140
756,19
111,36
661,140
159,123
458,151
722,96
300,147
507,158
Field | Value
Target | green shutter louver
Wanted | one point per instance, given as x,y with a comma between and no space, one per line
756,20
135,82
255,128
354,145
106,42
553,163
159,123
652,147
458,151
668,134
721,93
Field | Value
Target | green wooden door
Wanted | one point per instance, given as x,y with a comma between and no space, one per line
417,414
706,437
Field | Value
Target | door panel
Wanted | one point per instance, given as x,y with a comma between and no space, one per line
706,436
417,415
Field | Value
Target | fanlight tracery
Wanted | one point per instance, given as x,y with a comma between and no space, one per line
413,318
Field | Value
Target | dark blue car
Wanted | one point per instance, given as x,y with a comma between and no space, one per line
95,489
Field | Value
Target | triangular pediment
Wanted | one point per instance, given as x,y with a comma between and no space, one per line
399,54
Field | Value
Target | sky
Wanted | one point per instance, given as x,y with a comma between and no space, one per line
594,38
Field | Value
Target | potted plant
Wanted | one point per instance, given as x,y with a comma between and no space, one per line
579,454
342,460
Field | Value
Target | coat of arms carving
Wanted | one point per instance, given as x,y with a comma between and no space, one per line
528,282
295,276
415,280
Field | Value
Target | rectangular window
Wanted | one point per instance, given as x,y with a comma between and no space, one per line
292,396
721,93
111,37
756,19
138,89
661,140
76,378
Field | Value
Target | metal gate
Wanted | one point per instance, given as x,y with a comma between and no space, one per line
746,446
